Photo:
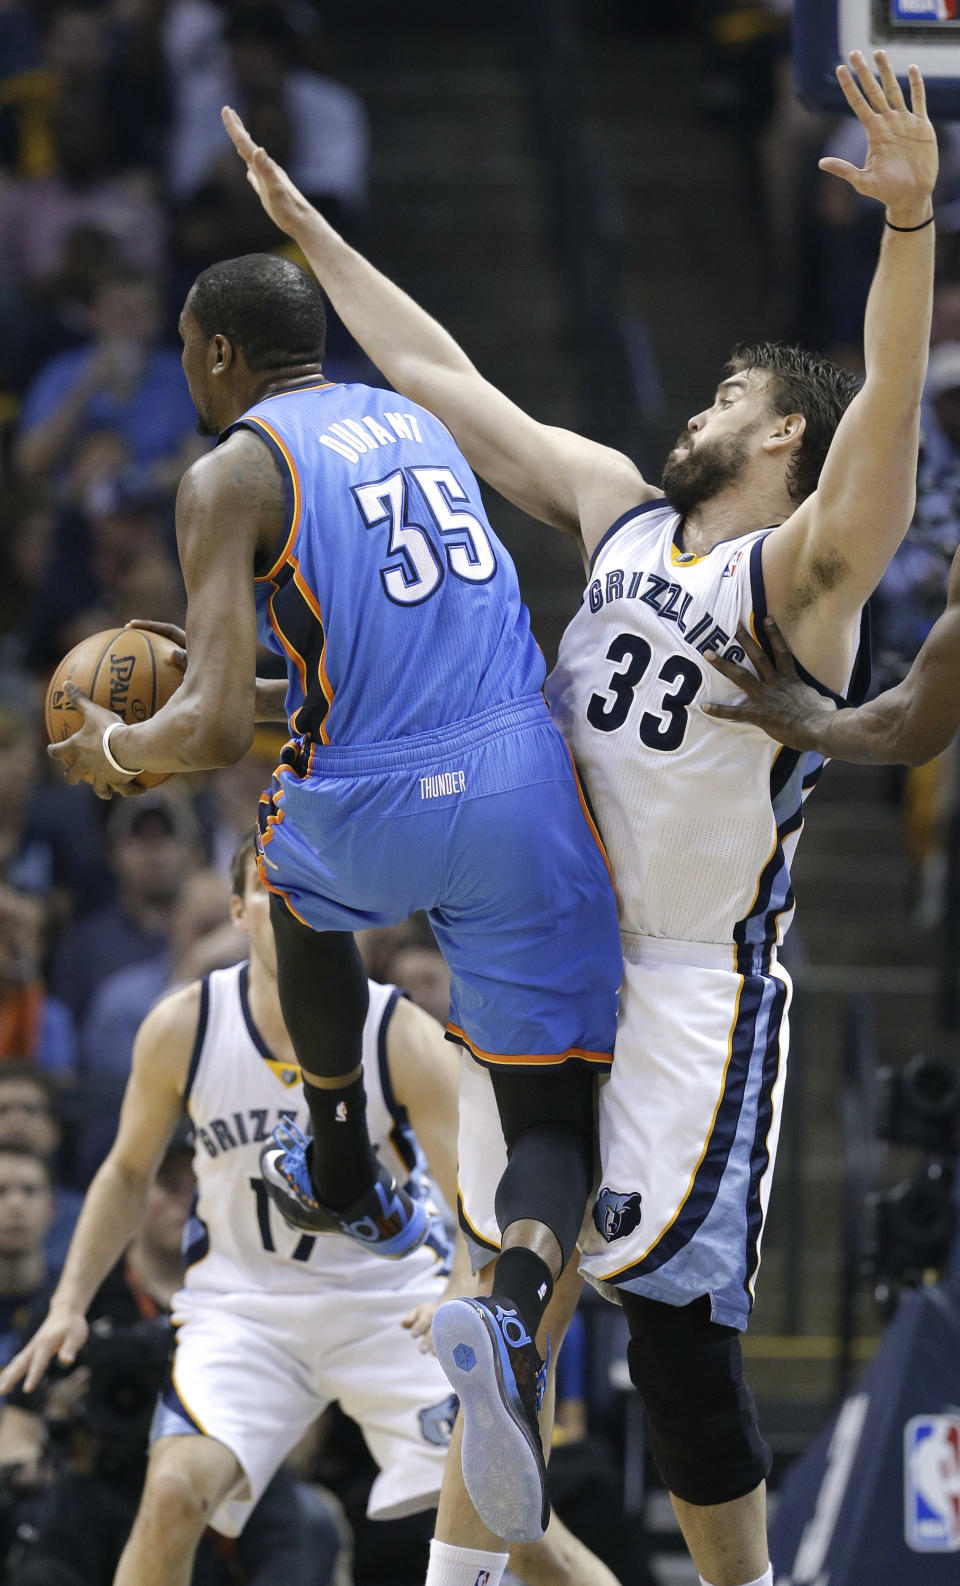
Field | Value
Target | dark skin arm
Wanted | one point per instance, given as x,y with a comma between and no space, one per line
230,506
270,693
908,725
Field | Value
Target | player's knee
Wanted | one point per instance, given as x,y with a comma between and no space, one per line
179,1495
701,1418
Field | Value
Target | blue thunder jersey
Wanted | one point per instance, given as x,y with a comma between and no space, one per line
394,604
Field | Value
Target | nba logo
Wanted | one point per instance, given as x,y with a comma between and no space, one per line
482,1578
733,563
931,1468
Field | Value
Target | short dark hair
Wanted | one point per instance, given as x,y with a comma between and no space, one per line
801,382
244,852
266,306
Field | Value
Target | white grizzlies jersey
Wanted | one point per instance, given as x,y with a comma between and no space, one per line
700,817
236,1093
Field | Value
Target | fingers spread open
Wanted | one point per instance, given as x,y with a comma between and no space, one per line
726,712
869,87
735,674
918,93
755,653
888,79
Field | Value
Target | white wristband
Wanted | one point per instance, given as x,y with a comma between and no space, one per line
124,770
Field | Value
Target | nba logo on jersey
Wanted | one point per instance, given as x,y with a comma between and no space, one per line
733,563
482,1578
931,1460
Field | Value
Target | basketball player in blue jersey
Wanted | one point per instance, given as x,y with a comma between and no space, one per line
343,525
787,494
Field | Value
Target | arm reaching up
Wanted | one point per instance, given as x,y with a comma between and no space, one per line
556,476
827,558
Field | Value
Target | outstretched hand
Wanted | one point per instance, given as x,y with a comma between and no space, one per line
901,165
283,202
777,698
61,1334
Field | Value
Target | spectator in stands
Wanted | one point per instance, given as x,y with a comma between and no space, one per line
913,589
380,944
251,56
30,1116
421,971
201,938
26,1210
125,381
154,842
88,184
50,836
34,1026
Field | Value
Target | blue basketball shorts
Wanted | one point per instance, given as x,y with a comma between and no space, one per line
482,825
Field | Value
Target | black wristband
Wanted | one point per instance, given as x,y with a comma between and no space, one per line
928,222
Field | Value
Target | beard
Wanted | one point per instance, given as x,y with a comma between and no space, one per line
205,427
707,469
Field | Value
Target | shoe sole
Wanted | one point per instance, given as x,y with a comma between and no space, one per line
503,1468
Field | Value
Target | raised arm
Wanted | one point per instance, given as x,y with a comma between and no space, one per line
113,1208
824,562
907,725
556,476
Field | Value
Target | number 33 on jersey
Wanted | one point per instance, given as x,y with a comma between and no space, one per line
386,553
699,821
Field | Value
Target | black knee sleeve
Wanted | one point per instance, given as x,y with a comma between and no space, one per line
701,1418
323,993
547,1121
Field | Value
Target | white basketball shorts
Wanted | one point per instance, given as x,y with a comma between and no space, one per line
254,1370
688,1121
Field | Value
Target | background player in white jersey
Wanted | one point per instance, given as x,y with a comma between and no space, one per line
272,1326
784,495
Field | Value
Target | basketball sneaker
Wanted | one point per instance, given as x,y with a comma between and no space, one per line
386,1220
493,1367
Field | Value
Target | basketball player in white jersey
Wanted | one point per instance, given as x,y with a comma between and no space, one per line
787,494
272,1325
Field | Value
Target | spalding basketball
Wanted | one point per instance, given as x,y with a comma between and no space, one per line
127,670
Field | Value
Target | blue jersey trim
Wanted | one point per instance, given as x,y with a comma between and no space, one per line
860,674
199,1038
625,518
397,1113
760,1153
252,1031
278,554
401,1133
709,1175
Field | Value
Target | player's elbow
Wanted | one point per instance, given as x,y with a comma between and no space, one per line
225,742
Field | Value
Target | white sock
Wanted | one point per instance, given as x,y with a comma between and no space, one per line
467,1566
766,1579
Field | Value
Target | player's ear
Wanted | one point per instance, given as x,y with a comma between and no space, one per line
787,429
223,355
238,913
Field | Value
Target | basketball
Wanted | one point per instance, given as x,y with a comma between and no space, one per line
127,670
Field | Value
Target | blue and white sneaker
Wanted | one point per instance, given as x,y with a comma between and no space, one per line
493,1366
386,1220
